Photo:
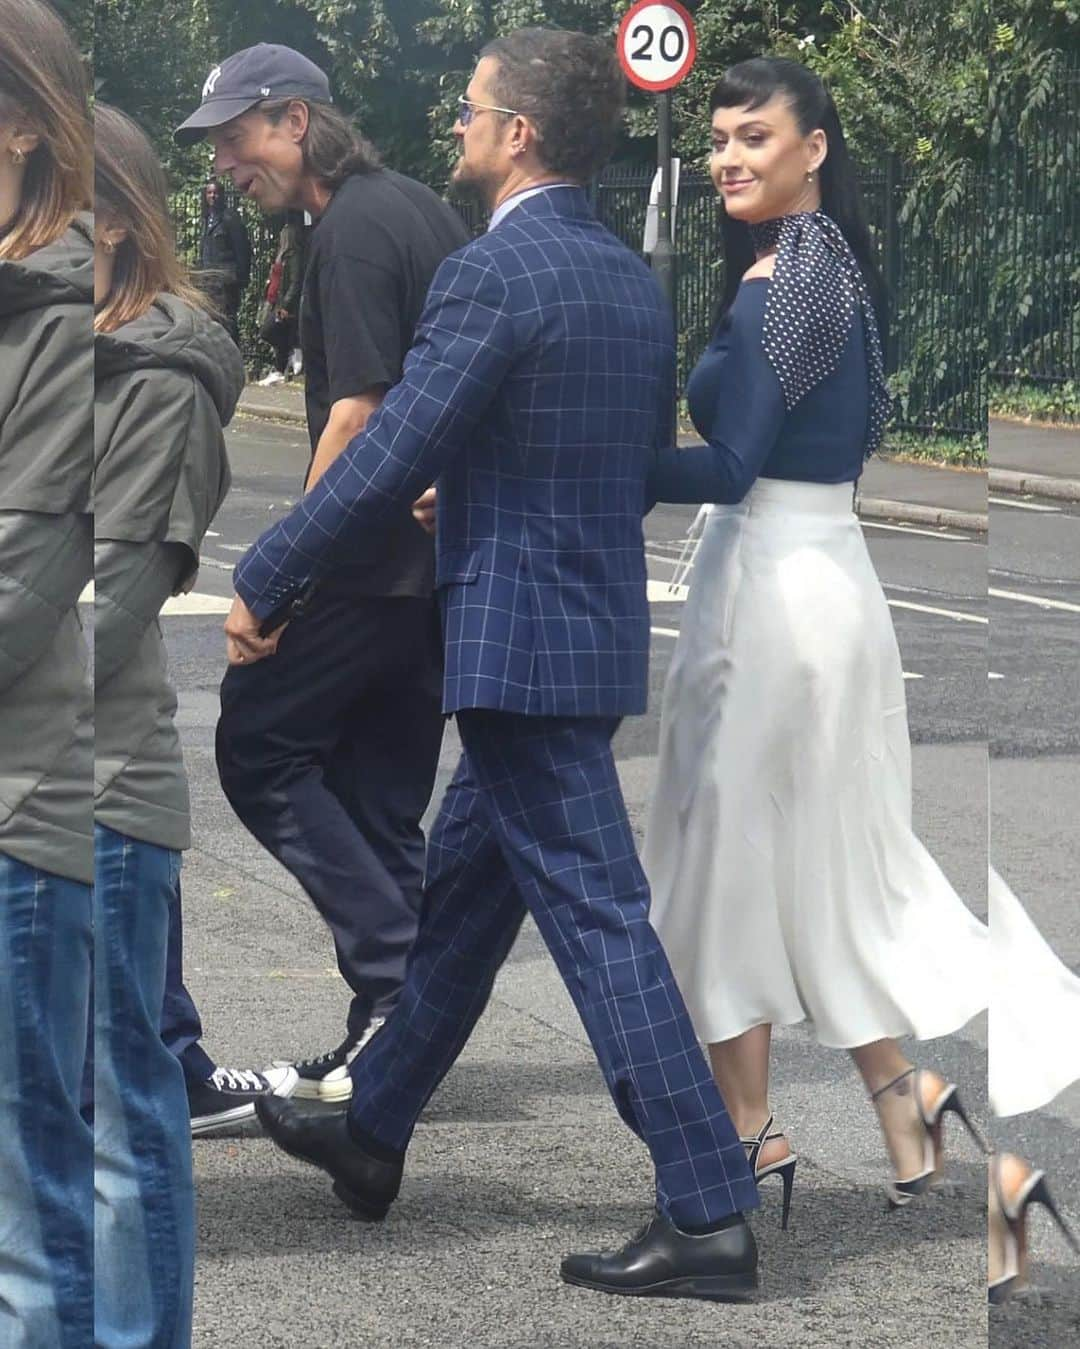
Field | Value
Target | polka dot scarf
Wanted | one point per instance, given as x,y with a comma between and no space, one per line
817,289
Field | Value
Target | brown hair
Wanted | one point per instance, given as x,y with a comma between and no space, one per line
570,87
333,148
130,192
43,89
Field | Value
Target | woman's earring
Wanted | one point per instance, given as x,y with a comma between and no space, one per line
18,155
810,175
109,246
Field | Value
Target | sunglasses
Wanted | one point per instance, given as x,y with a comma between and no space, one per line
467,110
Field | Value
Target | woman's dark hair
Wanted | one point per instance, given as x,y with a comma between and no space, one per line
570,87
752,83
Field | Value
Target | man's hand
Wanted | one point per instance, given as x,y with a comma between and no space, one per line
243,644
423,510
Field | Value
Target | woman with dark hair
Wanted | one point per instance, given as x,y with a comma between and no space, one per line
787,883
46,730
167,380
224,256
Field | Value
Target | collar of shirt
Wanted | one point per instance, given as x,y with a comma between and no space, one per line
505,207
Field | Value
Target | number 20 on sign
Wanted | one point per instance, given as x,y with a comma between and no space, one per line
656,44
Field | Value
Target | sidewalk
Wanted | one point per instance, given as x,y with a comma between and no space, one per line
1024,460
1036,460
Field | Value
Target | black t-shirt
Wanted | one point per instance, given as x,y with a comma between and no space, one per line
372,255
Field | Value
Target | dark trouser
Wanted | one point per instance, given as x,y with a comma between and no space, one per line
328,752
535,820
231,310
181,1028
284,342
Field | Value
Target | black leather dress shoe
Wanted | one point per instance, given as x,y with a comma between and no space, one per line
661,1261
365,1184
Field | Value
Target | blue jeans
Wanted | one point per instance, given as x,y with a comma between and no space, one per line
46,1156
144,1206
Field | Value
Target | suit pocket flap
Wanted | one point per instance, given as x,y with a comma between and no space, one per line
458,566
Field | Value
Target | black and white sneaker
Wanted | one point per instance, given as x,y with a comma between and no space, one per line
326,1078
228,1097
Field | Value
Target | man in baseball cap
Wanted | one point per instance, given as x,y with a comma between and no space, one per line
328,753
248,77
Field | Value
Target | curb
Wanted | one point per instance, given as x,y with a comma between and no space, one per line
914,513
1015,483
267,412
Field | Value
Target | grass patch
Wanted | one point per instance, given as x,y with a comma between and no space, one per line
1055,403
926,448
955,451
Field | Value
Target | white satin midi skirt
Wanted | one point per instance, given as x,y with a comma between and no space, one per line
786,880
1033,1040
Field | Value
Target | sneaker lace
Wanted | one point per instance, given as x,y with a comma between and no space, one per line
237,1079
331,1056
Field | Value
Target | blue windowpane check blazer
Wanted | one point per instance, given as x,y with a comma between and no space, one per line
536,395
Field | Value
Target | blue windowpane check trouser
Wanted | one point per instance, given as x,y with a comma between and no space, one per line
144,1211
535,820
46,1151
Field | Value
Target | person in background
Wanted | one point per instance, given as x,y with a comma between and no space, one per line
224,256
46,708
167,380
279,314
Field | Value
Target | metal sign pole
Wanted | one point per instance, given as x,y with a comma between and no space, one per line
663,256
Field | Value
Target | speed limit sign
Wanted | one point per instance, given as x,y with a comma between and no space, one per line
656,44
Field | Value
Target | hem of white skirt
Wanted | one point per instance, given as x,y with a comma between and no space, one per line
1007,1103
906,1032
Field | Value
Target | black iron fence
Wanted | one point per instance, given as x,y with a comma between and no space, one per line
1033,223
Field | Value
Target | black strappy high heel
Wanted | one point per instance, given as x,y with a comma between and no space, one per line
1014,1211
785,1168
945,1101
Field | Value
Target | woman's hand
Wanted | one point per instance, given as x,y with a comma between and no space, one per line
424,511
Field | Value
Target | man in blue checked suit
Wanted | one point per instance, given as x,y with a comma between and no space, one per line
539,386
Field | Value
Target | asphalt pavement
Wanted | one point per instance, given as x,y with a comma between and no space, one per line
521,1157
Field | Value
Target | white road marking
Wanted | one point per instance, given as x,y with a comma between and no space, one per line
664,632
179,605
910,529
992,675
1039,601
941,613
664,593
1024,505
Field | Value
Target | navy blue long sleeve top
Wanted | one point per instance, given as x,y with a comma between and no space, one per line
737,406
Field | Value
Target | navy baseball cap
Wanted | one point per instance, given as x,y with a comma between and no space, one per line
246,78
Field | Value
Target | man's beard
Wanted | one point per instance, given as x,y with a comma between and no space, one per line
467,186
